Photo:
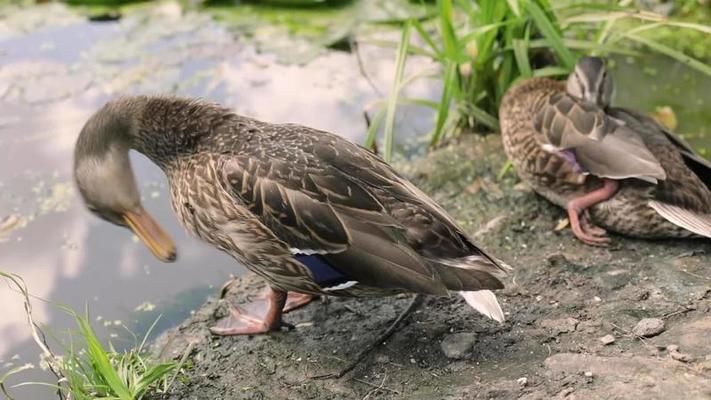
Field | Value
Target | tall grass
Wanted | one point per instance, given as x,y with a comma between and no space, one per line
483,47
87,369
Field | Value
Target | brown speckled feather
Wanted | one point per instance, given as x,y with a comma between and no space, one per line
265,192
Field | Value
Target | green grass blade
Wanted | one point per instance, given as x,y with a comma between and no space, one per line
152,375
550,71
449,37
375,123
392,101
549,31
100,359
514,6
450,80
675,54
484,117
427,38
520,49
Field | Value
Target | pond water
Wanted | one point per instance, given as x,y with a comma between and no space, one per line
56,69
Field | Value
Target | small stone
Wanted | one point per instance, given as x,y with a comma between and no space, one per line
413,361
457,345
649,327
382,359
607,339
558,326
588,374
522,381
683,357
672,348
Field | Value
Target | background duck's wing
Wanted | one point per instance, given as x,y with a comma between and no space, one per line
600,145
321,194
643,123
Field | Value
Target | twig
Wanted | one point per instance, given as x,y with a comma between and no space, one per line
416,301
37,335
376,388
630,333
683,311
361,68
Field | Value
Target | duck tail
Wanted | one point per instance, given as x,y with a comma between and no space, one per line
697,223
485,302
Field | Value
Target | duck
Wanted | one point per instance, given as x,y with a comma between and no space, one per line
611,168
308,211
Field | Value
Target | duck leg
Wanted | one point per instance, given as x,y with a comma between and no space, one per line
259,316
582,228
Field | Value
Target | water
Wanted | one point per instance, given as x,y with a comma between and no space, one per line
53,75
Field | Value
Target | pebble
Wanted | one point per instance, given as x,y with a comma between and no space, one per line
649,327
522,381
457,345
607,339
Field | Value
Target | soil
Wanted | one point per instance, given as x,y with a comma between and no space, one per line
571,311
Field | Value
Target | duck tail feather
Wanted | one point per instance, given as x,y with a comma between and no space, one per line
484,301
697,223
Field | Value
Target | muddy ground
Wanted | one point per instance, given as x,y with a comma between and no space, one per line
561,299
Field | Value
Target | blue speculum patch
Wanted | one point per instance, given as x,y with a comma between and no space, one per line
325,275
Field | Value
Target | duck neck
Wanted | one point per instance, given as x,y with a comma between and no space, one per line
164,129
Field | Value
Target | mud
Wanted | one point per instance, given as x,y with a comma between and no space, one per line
561,300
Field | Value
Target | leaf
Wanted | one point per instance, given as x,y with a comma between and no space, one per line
513,4
675,54
450,76
550,32
392,101
520,48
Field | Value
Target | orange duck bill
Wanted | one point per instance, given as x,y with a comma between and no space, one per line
151,234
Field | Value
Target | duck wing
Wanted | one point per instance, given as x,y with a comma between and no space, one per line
684,198
643,123
583,133
324,196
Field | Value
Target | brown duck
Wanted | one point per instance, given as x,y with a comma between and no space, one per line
308,211
605,165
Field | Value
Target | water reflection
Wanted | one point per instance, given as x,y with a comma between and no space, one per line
53,78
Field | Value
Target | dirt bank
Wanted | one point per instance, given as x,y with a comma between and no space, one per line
561,300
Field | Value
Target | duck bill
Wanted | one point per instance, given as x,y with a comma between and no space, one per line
151,234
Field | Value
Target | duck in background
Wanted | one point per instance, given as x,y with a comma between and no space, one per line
609,167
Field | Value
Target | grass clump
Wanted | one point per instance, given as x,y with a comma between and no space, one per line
483,47
89,370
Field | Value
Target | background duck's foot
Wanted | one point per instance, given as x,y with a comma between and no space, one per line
585,231
259,316
295,300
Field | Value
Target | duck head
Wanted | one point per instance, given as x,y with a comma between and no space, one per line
591,82
104,177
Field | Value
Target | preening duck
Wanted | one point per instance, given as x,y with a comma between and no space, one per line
605,165
308,211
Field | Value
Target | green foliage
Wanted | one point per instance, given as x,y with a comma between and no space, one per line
483,47
91,371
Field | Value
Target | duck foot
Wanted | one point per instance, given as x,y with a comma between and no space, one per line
582,228
259,316
414,304
294,300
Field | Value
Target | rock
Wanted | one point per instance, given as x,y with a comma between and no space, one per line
457,345
678,356
649,327
558,326
607,339
522,381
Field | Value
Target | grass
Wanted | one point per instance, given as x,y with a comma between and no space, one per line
483,47
88,369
